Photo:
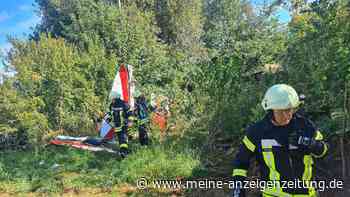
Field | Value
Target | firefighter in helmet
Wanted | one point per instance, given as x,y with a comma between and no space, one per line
120,112
284,144
142,115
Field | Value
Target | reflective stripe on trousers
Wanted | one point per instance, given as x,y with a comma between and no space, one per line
313,193
275,176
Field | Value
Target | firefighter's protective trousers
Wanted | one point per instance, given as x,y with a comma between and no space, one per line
120,118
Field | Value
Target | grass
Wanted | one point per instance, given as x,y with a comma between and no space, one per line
63,171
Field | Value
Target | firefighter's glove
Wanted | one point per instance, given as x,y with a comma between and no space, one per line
238,192
310,144
305,141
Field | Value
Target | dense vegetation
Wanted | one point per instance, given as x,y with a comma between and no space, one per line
213,58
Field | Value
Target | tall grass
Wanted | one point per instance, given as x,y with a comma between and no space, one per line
58,169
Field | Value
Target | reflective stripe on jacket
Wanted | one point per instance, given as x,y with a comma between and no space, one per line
277,158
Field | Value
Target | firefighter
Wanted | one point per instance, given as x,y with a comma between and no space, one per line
284,144
120,112
142,115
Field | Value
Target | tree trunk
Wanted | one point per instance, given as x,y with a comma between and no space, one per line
344,131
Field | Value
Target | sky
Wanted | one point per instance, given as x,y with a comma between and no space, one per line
17,18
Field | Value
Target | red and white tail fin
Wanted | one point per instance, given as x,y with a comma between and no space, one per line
121,84
124,84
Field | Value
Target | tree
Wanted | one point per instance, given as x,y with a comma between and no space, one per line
128,33
58,75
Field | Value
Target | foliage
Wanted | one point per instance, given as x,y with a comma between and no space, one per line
128,33
319,48
22,115
241,44
59,82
